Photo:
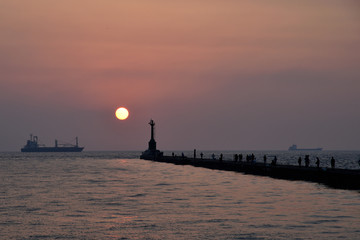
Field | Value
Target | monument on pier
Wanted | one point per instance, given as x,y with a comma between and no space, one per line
152,152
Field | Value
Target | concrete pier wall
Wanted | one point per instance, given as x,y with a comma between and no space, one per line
336,178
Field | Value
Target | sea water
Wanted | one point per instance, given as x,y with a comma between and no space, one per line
115,195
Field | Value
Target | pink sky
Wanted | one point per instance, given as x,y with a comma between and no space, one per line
212,74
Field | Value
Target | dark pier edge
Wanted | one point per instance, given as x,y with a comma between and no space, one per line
335,178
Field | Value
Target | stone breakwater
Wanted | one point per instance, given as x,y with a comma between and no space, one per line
335,178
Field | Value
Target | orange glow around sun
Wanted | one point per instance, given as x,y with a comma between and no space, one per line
122,113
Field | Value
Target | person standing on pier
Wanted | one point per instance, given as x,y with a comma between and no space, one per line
264,159
274,161
194,153
317,162
332,161
221,157
201,155
299,161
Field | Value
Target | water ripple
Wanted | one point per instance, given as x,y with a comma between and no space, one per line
104,196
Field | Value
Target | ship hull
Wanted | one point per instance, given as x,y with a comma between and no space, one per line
294,148
306,149
53,149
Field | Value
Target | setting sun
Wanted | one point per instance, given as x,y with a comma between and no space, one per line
122,113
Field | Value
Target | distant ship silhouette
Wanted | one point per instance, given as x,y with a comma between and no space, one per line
32,145
294,148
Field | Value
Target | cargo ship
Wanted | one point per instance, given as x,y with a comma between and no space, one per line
294,148
32,145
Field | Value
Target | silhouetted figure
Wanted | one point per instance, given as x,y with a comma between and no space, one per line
332,161
274,161
194,153
240,157
182,155
299,161
173,154
236,157
317,162
264,159
213,156
221,157
307,161
201,155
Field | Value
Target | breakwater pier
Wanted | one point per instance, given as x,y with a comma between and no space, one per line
336,178
332,177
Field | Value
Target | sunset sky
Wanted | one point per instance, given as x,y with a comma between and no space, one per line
214,75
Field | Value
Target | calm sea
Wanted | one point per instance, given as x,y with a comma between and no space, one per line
114,195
